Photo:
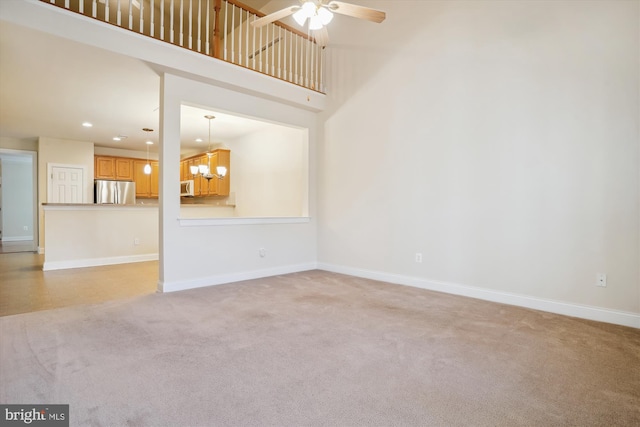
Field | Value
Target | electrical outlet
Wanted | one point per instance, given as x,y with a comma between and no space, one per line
262,252
418,257
25,228
136,241
602,280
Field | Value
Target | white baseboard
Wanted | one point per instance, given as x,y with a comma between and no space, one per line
568,309
16,238
94,262
181,285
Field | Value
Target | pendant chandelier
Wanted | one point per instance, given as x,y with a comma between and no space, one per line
205,170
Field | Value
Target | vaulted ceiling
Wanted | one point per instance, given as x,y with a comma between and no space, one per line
49,86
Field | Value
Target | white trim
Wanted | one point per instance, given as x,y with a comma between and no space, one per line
568,309
181,285
94,262
198,222
16,238
94,207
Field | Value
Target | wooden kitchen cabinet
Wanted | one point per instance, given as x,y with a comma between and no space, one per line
146,185
116,168
104,167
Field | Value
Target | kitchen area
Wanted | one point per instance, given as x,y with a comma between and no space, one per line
121,225
112,216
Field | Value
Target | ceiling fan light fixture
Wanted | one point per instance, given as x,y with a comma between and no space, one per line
309,8
325,15
315,23
300,17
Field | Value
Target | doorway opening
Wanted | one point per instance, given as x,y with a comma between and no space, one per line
18,201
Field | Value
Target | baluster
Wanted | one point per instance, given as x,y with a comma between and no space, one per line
106,11
207,40
181,22
290,44
264,49
226,9
171,30
272,48
131,14
190,24
233,32
260,62
66,4
294,57
246,40
312,69
162,20
151,23
81,7
240,29
141,15
199,41
253,47
94,9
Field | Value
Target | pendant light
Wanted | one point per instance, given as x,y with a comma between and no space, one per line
147,167
205,170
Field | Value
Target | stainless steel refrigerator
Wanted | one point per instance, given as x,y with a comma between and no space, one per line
114,192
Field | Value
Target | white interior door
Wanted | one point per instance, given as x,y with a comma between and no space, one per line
66,185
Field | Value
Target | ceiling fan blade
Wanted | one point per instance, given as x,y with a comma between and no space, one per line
321,36
356,11
275,16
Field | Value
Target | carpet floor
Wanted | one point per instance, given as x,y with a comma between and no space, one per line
320,349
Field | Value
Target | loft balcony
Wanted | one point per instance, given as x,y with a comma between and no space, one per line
220,29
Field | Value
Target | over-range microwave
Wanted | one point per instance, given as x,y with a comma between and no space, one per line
186,188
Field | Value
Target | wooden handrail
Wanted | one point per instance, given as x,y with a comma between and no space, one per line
299,62
260,14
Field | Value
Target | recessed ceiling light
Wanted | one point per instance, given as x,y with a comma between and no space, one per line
149,142
87,124
117,138
198,139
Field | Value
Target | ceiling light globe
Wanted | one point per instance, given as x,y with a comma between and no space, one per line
315,23
309,9
325,15
300,17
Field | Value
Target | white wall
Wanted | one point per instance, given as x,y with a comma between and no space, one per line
17,197
194,253
64,152
499,139
80,236
269,173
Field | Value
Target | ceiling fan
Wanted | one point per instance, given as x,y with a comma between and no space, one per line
319,13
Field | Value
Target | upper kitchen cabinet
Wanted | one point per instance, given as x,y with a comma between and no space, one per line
116,168
146,185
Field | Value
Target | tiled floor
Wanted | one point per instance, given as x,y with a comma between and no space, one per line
24,287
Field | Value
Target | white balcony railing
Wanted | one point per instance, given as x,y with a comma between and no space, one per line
217,28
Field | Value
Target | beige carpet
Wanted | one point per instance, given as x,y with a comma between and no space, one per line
320,349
